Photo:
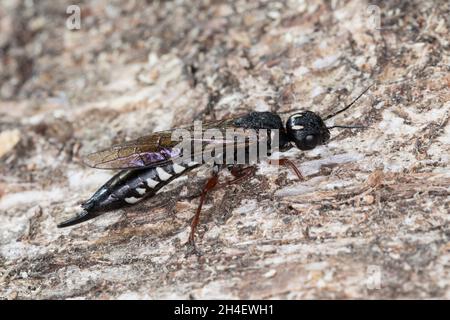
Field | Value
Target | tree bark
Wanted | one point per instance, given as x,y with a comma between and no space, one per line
370,221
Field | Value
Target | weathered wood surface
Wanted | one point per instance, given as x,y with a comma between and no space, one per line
375,205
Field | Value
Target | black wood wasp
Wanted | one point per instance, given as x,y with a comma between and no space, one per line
149,163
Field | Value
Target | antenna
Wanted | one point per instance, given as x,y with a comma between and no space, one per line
349,105
348,127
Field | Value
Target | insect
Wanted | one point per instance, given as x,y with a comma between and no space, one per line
149,163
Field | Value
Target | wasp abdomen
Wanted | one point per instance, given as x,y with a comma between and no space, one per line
127,188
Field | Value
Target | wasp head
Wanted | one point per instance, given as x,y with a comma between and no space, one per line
307,130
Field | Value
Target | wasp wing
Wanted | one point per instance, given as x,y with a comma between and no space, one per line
159,148
155,149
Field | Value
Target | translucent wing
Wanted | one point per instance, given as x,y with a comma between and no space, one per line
158,149
155,149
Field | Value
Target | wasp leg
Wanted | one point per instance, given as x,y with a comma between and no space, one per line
210,184
239,174
287,162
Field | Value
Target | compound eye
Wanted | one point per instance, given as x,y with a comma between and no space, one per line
310,138
310,141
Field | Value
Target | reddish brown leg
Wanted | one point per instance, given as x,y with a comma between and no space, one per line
239,174
210,184
287,162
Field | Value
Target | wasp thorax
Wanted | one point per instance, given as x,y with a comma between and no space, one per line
307,130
